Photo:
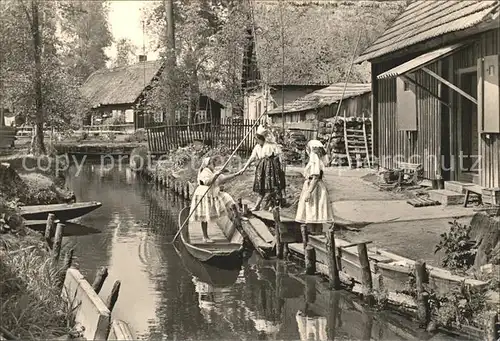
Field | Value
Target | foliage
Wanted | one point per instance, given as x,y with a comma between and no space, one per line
85,34
30,293
459,249
37,83
126,52
462,306
137,136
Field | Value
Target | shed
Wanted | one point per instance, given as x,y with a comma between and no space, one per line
322,104
435,86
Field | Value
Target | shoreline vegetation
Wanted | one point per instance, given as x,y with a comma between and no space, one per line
32,307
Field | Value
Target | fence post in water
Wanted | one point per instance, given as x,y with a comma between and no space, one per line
279,243
366,275
99,279
113,297
310,255
58,241
421,277
49,229
333,271
305,236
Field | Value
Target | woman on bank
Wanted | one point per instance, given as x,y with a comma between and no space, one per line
314,207
215,203
269,176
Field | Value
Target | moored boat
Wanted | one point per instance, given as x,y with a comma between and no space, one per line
227,248
63,212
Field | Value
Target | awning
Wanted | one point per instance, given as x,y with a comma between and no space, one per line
420,61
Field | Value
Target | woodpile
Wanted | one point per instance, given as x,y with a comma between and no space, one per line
335,129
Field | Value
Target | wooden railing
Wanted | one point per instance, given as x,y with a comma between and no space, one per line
164,138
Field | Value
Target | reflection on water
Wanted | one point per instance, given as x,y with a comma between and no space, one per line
166,294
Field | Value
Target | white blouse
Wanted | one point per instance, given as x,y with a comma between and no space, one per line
205,176
268,149
314,166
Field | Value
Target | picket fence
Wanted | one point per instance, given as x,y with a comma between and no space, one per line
228,133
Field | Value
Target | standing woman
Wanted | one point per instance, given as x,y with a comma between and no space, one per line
314,207
269,176
214,204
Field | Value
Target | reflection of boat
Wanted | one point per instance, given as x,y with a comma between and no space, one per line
70,229
216,277
227,248
63,212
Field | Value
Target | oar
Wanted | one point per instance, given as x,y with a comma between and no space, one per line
223,167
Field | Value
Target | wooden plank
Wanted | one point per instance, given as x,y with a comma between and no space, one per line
262,230
451,85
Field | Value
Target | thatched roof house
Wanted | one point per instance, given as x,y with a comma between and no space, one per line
120,86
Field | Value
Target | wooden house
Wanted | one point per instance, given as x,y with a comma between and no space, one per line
322,104
263,98
435,88
119,92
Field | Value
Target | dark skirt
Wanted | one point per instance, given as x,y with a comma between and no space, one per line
269,176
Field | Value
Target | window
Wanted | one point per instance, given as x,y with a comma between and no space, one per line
406,85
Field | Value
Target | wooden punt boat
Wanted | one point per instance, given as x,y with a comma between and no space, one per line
227,249
216,277
63,212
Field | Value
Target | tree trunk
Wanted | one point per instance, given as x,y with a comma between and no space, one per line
37,143
170,60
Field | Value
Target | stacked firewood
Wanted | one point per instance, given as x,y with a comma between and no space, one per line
334,128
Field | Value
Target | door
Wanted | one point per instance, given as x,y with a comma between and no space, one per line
468,134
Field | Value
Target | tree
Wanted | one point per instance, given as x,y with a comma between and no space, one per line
85,36
126,52
40,86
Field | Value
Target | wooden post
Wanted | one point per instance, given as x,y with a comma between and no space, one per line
100,277
240,203
279,243
286,251
310,288
366,275
187,190
305,236
58,241
113,297
423,309
49,229
167,181
333,271
310,255
491,327
245,210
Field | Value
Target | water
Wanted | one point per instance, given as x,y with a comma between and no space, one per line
165,296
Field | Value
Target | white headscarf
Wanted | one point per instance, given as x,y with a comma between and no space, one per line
316,144
204,164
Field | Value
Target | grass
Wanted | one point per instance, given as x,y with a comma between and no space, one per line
31,306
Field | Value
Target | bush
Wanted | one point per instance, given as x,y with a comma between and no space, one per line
459,249
137,136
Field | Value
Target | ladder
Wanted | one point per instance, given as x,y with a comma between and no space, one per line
356,143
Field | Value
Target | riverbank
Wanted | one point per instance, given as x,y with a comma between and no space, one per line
30,280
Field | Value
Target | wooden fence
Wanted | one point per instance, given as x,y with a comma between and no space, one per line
229,133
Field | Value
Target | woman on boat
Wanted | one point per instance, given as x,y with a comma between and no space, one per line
269,175
215,203
314,207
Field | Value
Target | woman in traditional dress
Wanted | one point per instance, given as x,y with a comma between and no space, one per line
215,203
269,176
314,207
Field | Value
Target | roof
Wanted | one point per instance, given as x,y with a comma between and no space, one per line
424,19
120,85
323,97
420,61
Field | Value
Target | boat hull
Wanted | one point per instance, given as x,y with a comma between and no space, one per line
63,212
224,256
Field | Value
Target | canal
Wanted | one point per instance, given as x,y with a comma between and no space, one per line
167,295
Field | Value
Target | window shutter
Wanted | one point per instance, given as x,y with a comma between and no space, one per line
489,94
406,109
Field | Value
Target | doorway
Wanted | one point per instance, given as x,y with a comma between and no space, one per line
468,131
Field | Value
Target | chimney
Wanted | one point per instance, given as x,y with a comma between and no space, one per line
143,58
